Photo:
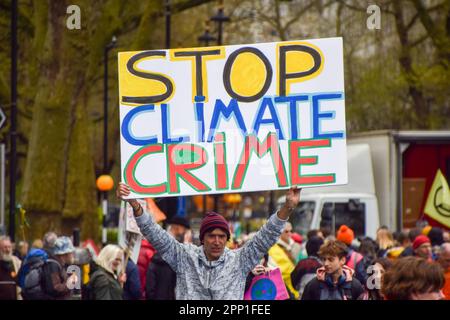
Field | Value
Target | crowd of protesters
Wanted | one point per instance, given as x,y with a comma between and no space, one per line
395,266
407,265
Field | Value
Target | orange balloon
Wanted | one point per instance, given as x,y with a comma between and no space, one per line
105,182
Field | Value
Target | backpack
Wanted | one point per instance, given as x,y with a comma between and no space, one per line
354,259
31,274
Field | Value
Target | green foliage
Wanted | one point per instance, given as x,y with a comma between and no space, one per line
112,235
60,97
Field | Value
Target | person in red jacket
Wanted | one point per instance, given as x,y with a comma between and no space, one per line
145,257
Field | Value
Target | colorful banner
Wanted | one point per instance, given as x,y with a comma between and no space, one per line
438,202
233,118
268,286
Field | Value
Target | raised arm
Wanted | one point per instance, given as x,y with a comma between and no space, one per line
170,249
254,250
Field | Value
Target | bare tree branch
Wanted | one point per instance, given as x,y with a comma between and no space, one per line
305,10
411,23
419,40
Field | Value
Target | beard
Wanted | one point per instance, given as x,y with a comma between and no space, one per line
6,256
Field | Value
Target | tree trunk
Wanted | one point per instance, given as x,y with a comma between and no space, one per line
405,59
59,179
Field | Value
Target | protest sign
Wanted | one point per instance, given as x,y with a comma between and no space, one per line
232,118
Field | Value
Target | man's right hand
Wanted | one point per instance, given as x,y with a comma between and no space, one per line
123,191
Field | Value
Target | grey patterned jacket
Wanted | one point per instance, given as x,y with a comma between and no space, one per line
200,279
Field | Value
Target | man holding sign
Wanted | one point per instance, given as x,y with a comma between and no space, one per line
211,271
229,119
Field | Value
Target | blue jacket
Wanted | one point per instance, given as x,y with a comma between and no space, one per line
132,287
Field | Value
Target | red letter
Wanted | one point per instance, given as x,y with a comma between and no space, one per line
270,144
296,161
131,166
177,170
220,162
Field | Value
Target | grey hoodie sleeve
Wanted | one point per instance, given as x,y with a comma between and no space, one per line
253,251
170,249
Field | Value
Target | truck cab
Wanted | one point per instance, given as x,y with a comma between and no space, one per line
354,204
329,211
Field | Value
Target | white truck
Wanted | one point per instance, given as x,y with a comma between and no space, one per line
389,176
354,204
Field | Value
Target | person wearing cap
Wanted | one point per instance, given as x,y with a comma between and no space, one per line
412,235
177,227
345,234
212,271
422,247
161,279
297,246
354,259
54,273
49,241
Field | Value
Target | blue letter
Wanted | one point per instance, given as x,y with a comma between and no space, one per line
165,127
126,126
317,134
221,108
292,112
274,118
200,118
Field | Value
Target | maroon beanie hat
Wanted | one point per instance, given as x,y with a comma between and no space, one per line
213,221
420,240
